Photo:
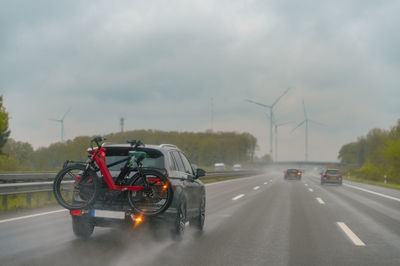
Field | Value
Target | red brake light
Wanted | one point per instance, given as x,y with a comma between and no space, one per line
76,212
325,175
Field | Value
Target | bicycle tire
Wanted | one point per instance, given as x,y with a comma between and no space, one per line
160,198
73,190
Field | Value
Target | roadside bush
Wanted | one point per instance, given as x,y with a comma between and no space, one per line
370,172
8,163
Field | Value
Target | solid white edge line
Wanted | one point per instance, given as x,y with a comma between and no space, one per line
353,237
320,201
372,192
310,189
31,216
255,188
238,197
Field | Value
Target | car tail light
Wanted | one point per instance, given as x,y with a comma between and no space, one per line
325,175
340,176
76,212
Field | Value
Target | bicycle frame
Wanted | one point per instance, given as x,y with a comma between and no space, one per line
99,157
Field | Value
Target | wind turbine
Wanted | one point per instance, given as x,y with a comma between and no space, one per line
306,121
61,121
276,137
276,126
271,115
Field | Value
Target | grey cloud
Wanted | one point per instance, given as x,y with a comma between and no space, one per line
156,59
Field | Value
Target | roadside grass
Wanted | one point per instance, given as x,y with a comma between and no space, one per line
206,179
370,182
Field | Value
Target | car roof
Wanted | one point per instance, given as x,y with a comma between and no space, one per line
161,147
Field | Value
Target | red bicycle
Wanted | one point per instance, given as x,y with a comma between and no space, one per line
148,191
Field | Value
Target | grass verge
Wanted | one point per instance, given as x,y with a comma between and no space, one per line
220,178
370,182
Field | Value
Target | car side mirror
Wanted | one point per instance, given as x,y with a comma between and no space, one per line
200,172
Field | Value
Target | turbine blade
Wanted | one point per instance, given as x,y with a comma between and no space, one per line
280,97
285,123
318,123
55,120
69,109
299,125
260,104
304,109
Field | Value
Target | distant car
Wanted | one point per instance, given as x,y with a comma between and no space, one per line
237,167
292,174
331,176
219,167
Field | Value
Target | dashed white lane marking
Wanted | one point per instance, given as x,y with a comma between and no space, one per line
353,237
320,201
238,197
255,188
265,183
306,185
31,216
372,192
270,180
310,189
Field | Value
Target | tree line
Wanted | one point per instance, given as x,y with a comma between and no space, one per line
202,148
375,155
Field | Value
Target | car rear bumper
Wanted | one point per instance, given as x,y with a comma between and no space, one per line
120,218
337,180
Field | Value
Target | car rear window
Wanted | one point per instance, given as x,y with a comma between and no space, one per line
157,162
292,170
332,172
154,158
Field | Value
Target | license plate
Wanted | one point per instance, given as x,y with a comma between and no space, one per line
108,214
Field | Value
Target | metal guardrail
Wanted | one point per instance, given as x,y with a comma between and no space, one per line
26,177
35,182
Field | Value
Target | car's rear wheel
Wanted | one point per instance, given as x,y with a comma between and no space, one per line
198,221
179,223
157,199
82,226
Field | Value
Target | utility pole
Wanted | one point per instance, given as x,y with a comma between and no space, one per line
122,124
212,114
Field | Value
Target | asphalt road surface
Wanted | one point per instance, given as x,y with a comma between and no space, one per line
261,220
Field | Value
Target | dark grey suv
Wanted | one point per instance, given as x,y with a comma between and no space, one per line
112,208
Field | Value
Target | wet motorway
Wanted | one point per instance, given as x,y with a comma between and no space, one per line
260,220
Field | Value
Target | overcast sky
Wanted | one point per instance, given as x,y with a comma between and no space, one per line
159,63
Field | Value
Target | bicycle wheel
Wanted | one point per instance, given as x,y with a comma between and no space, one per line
75,187
154,201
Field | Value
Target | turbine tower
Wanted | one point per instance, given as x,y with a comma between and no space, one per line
271,115
61,121
306,121
277,125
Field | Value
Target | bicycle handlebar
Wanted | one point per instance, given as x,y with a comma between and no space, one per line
97,140
135,143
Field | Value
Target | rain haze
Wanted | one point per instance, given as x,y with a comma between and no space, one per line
158,64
